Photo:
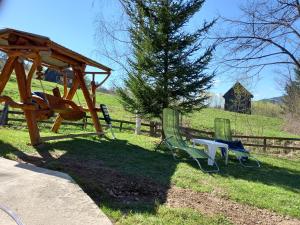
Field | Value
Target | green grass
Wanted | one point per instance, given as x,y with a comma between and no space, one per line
275,186
241,124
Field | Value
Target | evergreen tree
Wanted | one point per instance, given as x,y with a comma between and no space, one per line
168,67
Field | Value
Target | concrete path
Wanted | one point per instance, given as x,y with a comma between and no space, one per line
44,197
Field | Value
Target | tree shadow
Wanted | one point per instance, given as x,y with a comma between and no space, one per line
115,174
126,177
268,174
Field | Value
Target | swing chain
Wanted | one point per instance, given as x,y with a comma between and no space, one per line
39,73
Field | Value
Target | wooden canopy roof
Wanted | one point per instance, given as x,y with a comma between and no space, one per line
51,54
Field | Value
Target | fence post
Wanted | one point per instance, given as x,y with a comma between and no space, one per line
138,124
84,123
4,116
152,128
121,126
265,144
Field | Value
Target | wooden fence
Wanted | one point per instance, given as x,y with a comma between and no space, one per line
154,129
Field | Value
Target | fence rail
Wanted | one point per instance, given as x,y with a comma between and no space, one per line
154,129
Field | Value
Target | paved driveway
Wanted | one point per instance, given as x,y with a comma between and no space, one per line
44,197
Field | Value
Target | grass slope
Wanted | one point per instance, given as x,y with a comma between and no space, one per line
241,124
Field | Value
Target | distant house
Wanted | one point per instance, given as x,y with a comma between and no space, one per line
238,99
57,77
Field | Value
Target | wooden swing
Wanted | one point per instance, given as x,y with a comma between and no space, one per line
41,51
55,103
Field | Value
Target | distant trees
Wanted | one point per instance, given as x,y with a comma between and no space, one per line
168,65
291,103
267,33
291,98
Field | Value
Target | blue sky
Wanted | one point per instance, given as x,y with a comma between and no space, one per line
73,24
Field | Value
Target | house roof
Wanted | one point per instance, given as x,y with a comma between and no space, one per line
52,54
235,87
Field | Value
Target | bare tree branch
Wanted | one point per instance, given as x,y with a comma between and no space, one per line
268,34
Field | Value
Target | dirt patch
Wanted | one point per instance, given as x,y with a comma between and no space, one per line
120,186
97,180
238,213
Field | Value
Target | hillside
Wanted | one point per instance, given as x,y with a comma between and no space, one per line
242,124
275,100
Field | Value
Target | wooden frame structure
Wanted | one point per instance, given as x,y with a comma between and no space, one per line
41,51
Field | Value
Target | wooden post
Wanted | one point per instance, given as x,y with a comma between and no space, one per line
89,101
121,126
6,72
152,128
84,123
4,116
138,123
25,98
265,144
93,87
70,95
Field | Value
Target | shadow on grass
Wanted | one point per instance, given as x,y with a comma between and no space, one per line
126,177
268,174
116,174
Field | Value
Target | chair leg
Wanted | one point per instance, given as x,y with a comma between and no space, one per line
208,171
160,143
174,154
249,166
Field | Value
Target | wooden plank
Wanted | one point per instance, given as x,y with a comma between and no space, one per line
266,137
66,59
65,85
25,98
4,116
90,72
103,81
272,146
88,100
70,95
6,72
68,136
30,76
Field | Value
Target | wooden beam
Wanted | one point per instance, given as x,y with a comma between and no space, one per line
93,73
94,88
30,76
102,82
69,96
27,47
6,72
89,101
25,98
65,85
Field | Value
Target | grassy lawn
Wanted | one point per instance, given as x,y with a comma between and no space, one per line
112,172
240,123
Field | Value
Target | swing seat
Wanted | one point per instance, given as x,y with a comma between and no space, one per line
71,114
43,114
67,109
